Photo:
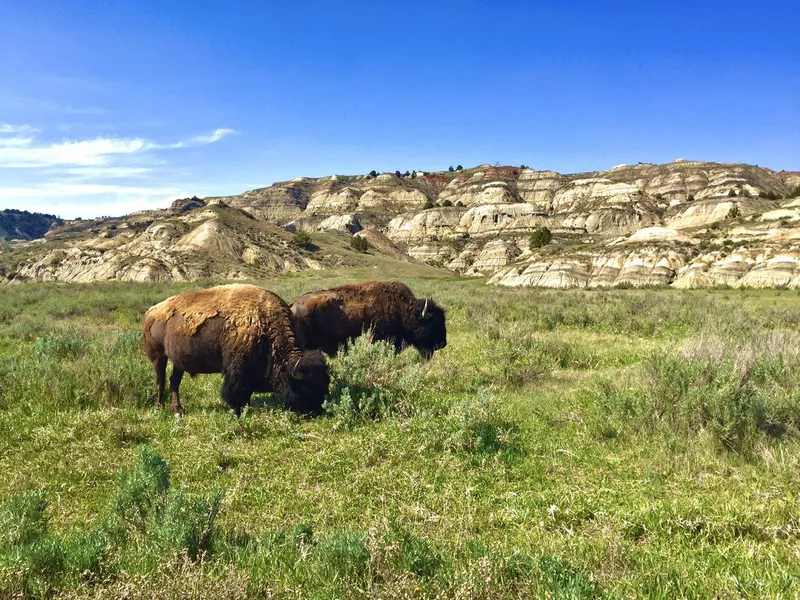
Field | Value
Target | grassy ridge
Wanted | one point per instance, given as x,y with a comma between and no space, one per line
573,444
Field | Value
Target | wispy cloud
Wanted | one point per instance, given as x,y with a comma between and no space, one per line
198,140
17,129
78,177
22,153
56,190
108,172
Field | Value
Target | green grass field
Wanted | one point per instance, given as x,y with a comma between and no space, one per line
565,444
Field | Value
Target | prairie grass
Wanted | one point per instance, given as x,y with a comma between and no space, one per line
571,444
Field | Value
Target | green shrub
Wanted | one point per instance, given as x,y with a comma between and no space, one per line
477,427
428,204
155,515
370,381
733,396
733,213
359,243
60,345
22,519
540,237
302,239
414,554
447,203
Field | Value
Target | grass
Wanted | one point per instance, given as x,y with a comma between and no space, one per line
565,444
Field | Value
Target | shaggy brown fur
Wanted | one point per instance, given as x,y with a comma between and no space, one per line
328,319
242,331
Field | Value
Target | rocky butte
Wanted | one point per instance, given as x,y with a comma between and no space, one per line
685,224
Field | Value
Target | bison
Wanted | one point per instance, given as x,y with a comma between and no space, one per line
328,319
242,331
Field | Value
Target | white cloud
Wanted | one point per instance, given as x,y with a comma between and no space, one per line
198,140
215,136
90,177
56,190
108,172
24,154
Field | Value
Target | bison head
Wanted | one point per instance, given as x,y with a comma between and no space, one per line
427,331
305,382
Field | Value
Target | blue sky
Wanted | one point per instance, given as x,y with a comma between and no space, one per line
108,107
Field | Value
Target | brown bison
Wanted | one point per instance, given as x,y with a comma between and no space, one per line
328,319
242,331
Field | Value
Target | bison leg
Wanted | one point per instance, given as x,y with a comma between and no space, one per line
160,365
235,394
174,384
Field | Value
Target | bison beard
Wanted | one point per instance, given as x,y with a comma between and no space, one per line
329,319
242,331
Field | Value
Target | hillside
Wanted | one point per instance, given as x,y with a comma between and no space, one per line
686,223
24,225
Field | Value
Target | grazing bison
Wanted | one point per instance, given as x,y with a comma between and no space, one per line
242,331
328,319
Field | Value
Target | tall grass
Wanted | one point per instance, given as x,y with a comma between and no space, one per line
564,444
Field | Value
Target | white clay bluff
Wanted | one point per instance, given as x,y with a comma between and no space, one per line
685,224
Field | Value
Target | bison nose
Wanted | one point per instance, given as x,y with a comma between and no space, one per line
440,346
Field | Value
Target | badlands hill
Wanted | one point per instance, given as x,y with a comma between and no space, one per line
687,224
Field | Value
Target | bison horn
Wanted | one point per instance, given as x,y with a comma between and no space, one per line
295,373
425,308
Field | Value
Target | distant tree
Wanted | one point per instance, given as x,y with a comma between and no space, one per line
451,169
302,239
359,243
733,212
731,193
428,204
459,168
447,203
459,203
373,173
540,237
397,174
524,167
413,174
407,174
690,198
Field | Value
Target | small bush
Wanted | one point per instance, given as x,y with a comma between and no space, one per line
731,193
371,381
733,213
428,204
478,428
359,243
22,519
540,237
302,239
156,516
60,345
447,203
414,554
733,394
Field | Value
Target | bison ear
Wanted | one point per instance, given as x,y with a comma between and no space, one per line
296,373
